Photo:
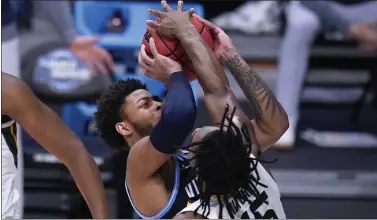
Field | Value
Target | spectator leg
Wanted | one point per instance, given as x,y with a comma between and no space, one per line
302,27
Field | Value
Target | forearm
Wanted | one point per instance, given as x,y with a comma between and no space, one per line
87,178
177,117
328,14
60,13
207,68
59,140
269,115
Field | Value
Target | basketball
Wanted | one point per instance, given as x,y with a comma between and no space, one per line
171,47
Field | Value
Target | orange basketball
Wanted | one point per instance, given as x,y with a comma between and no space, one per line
171,47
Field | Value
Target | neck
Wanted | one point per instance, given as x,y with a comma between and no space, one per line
135,138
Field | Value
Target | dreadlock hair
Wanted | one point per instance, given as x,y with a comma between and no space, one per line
224,167
109,111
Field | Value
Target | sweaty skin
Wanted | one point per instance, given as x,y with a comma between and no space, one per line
19,102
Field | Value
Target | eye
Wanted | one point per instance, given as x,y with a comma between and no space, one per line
145,105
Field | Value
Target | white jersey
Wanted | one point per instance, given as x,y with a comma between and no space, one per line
10,196
272,208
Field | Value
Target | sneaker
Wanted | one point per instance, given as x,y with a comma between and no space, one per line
253,17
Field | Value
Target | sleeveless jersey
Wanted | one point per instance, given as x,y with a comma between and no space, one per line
182,192
9,134
11,195
267,206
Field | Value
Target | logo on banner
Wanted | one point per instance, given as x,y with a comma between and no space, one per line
61,71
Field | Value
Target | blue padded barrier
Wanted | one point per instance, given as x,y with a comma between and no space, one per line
91,16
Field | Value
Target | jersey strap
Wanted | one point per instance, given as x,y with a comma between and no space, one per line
171,200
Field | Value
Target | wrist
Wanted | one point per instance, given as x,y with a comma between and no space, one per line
227,54
186,31
179,72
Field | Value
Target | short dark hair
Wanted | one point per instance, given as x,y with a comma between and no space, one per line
224,167
109,111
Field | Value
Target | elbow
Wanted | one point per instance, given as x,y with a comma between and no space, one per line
281,128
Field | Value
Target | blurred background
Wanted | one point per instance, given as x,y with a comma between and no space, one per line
310,57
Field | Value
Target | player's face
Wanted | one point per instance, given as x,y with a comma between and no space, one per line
143,111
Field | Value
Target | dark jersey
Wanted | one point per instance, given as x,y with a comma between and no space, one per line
184,191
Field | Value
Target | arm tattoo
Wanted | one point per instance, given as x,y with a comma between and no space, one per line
260,96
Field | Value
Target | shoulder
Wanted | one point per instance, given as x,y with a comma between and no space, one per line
12,85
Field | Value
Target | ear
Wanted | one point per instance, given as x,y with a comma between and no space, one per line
124,128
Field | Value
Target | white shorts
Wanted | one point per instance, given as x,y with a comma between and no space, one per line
10,194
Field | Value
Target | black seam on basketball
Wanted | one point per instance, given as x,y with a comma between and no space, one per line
171,51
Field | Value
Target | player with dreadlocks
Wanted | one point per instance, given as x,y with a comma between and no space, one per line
230,181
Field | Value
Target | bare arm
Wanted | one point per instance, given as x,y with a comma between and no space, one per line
270,119
213,81
210,75
48,130
178,116
266,109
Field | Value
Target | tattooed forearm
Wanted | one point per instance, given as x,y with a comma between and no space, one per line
264,104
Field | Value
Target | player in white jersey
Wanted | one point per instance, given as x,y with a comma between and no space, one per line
229,177
232,183
19,103
10,195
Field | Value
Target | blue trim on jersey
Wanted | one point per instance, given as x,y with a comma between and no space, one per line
171,200
182,157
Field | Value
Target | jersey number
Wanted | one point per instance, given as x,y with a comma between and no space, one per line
269,214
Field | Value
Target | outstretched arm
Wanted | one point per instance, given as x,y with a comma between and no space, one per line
215,85
270,119
177,118
207,68
19,102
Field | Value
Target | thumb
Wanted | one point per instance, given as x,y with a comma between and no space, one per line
153,48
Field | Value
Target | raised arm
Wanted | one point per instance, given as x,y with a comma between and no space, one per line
177,118
270,119
212,79
19,102
207,68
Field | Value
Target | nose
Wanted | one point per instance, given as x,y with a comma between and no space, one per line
158,106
